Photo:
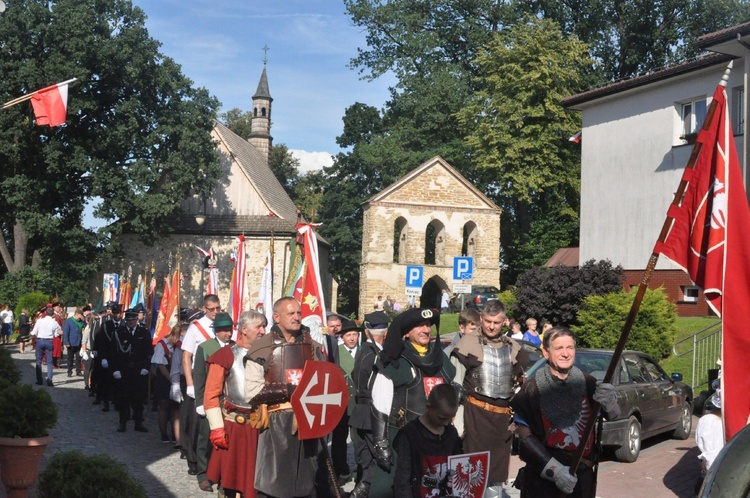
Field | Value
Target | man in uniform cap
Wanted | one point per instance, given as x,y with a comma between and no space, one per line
223,328
348,336
131,361
410,366
104,343
376,324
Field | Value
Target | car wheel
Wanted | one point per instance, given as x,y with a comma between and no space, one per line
682,431
631,446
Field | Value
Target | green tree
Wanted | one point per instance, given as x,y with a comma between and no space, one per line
556,294
518,135
602,318
286,169
630,37
238,121
137,136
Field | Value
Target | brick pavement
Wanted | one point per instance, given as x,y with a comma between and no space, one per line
665,467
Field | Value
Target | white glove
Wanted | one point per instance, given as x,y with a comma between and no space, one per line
560,475
117,375
190,391
175,394
85,356
144,371
94,354
105,363
200,411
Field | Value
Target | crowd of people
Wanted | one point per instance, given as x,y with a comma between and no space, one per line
222,392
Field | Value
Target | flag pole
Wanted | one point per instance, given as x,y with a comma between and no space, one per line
28,96
578,455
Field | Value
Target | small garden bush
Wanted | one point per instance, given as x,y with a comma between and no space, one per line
602,319
71,474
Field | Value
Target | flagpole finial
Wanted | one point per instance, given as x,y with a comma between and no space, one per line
725,76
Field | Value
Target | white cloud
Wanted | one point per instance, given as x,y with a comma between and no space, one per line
312,161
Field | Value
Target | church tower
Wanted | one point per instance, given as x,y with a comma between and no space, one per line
260,134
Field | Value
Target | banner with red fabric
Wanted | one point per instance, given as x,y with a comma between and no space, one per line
311,296
710,240
169,309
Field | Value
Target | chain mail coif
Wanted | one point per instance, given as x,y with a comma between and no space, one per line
561,399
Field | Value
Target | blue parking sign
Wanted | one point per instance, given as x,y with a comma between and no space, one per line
414,276
463,268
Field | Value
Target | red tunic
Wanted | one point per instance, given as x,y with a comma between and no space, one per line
233,468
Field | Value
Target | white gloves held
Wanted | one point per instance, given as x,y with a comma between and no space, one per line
144,371
560,475
175,393
117,375
200,411
190,391
105,363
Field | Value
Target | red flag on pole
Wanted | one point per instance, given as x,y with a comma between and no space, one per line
710,240
169,309
311,297
51,104
237,291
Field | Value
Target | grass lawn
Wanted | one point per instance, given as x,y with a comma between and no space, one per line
684,364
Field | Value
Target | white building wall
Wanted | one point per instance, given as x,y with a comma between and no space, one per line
632,163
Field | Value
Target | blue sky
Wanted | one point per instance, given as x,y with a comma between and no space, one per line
220,46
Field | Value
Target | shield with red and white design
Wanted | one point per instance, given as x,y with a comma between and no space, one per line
320,400
470,474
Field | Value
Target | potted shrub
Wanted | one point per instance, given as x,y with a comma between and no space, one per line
71,474
8,368
26,417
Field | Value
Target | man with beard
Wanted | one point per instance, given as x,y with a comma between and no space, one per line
410,365
551,411
288,463
493,364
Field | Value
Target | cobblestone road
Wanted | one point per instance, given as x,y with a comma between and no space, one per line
665,467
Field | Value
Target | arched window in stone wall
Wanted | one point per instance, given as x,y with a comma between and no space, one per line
263,112
400,240
434,243
469,241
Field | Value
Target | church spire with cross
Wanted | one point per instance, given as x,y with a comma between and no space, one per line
260,133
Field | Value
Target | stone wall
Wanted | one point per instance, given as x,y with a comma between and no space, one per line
139,256
436,195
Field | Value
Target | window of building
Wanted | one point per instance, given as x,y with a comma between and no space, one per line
469,241
399,240
690,293
738,110
692,115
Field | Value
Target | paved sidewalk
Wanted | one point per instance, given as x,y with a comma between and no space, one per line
665,467
83,426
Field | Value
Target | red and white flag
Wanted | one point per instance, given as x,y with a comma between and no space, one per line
311,296
163,318
710,240
51,104
237,290
576,138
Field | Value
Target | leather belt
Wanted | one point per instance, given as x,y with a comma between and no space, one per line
279,407
503,410
237,417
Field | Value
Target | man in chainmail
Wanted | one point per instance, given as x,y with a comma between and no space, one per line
493,364
551,411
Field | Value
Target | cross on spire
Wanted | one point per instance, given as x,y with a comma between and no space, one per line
265,54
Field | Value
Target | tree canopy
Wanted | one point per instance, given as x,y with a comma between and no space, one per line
137,136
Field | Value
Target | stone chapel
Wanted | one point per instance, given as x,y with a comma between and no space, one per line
248,200
426,219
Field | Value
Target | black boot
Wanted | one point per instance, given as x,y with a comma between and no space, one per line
122,427
106,406
139,427
361,490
